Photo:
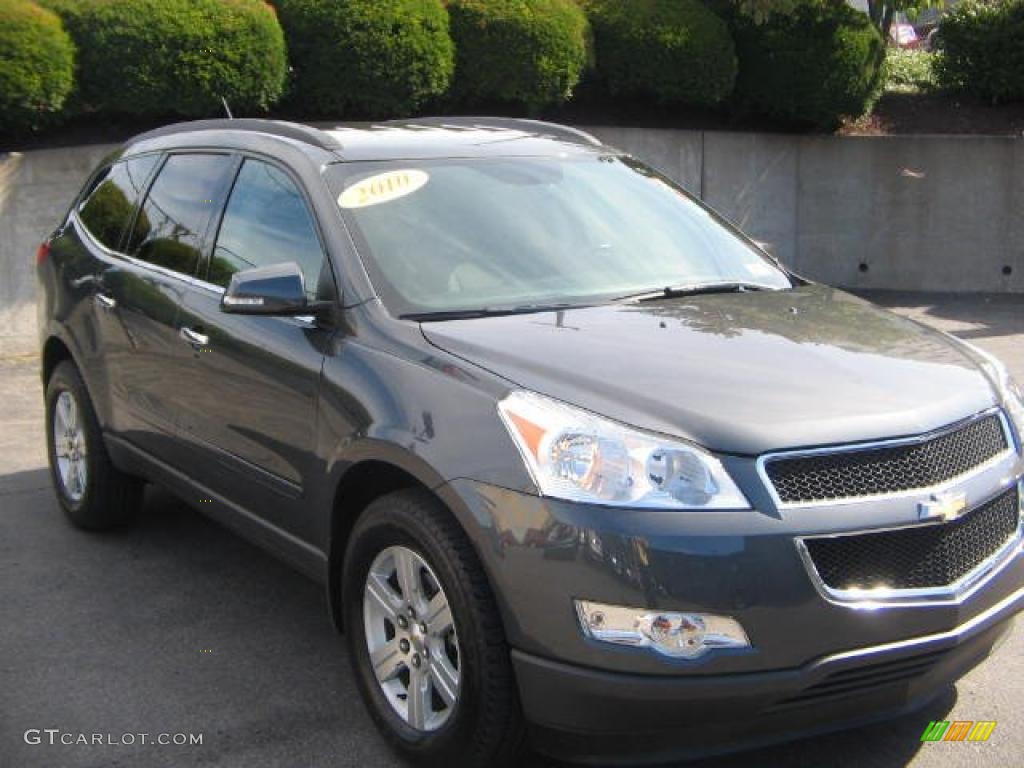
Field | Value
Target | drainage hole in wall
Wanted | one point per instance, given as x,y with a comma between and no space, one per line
863,267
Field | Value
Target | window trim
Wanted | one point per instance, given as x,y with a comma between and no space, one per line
194,278
92,183
155,268
144,193
244,155
215,222
130,229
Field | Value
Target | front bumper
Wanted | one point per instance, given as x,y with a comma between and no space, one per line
595,716
542,554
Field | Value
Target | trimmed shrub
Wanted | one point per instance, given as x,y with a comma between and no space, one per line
983,49
909,71
36,65
366,58
176,56
676,51
822,61
529,52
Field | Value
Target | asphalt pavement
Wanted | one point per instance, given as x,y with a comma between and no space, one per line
177,626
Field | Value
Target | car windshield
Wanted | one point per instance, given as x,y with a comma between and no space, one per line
504,233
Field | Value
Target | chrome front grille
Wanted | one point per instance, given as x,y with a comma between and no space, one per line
916,557
887,468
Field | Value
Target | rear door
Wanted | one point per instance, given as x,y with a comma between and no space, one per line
250,420
102,219
141,293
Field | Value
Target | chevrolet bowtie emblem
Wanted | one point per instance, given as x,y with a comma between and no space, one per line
943,506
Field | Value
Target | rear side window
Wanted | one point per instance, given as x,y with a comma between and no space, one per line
266,222
172,223
107,210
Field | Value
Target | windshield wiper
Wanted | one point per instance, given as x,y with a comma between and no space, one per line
468,314
674,292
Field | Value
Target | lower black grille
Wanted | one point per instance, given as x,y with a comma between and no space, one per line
851,682
917,557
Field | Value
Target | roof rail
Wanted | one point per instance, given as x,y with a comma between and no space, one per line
286,130
559,129
522,123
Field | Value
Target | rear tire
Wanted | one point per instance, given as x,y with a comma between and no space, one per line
93,493
483,727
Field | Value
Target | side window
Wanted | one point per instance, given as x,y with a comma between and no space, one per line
107,210
266,222
171,224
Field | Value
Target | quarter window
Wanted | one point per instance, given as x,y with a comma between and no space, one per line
107,211
266,222
172,223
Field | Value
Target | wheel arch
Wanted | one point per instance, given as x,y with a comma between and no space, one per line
378,471
55,351
363,482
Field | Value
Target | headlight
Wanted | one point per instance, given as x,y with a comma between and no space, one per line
1013,399
1015,404
1009,390
576,455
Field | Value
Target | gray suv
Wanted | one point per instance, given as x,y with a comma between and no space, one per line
579,465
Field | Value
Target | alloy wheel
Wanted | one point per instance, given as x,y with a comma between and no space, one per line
411,638
69,446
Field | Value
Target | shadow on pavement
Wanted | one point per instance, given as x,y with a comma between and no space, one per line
968,315
31,481
171,625
892,743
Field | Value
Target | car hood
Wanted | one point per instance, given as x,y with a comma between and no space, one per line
738,373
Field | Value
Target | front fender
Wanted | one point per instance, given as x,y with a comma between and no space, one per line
434,417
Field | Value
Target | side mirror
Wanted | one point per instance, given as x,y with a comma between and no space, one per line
275,290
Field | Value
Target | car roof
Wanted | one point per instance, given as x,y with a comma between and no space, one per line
422,138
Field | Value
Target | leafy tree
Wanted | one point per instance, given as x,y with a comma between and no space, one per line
881,12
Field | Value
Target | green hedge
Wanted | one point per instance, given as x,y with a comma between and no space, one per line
983,49
910,71
176,56
36,65
367,58
676,51
814,65
529,52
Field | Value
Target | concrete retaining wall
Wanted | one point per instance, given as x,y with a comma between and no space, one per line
36,189
927,213
911,213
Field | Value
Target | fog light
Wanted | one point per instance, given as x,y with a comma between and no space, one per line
681,635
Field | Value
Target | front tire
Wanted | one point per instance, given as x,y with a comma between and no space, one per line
93,493
425,637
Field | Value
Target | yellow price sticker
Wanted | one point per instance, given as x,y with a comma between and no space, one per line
383,188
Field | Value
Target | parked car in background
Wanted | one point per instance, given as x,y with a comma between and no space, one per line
579,465
912,30
903,34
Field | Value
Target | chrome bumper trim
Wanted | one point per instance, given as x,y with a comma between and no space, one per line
969,627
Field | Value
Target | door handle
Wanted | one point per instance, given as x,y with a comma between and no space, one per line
105,302
195,338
